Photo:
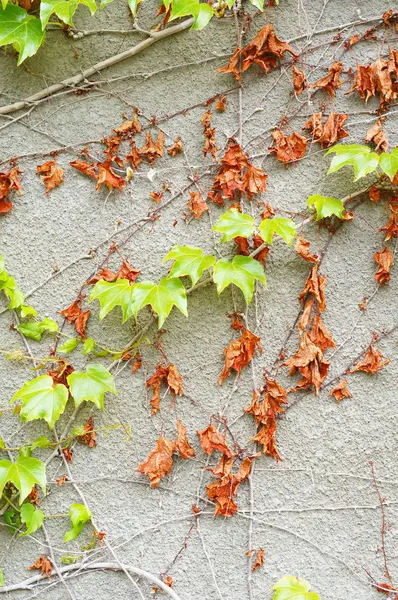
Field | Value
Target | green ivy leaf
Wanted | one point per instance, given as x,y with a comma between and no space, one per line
291,588
111,294
286,228
104,3
41,399
79,515
91,385
24,32
326,207
162,297
189,261
260,3
63,9
242,271
35,329
28,311
360,157
11,290
133,5
234,223
389,163
12,519
69,346
88,346
41,442
2,582
201,12
24,473
32,517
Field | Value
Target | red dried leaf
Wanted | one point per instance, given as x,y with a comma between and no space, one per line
108,177
299,80
221,103
211,439
223,491
60,375
81,322
329,133
364,82
288,148
73,311
159,461
391,229
331,81
89,438
183,446
169,375
239,353
259,560
210,145
134,156
384,259
156,196
341,391
262,255
377,136
100,535
152,150
374,193
130,127
197,205
372,362
50,174
242,245
9,181
176,148
303,250
44,564
68,453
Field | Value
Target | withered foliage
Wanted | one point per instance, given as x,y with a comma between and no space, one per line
391,228
158,462
328,133
50,174
265,407
223,491
371,363
89,438
303,250
75,314
265,50
340,391
9,181
211,439
60,375
197,205
152,149
239,353
126,271
102,172
168,375
236,176
376,136
259,560
43,564
384,259
210,145
176,148
381,78
288,148
183,446
299,80
331,82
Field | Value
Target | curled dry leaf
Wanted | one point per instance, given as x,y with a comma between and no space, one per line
68,453
320,335
380,77
262,255
384,259
265,50
153,150
259,560
310,363
50,174
223,491
158,462
377,136
156,196
44,564
176,148
197,205
210,145
221,103
315,286
61,374
126,271
371,363
341,391
303,250
331,82
364,82
89,438
288,148
33,496
9,181
134,156
329,133
129,127
74,313
168,375
81,322
239,353
299,80
183,446
102,172
61,480
211,439
391,229
374,193
242,244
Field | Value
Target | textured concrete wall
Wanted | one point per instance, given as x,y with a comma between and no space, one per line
316,513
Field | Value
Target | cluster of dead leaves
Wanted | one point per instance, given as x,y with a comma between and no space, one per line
377,136
381,78
371,363
126,271
328,133
168,375
9,181
236,175
288,148
74,314
391,228
44,564
159,461
243,247
265,50
239,352
265,407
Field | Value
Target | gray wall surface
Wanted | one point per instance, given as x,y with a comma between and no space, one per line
316,513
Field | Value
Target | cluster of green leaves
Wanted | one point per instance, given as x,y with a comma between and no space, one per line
13,292
292,588
42,399
363,160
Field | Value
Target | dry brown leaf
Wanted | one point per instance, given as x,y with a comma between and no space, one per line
384,259
50,174
159,461
168,375
315,285
221,103
61,480
156,196
299,80
183,446
89,438
239,353
329,133
341,391
391,229
211,439
377,136
134,156
68,453
129,127
259,560
153,150
44,564
210,145
81,322
331,81
371,363
9,181
176,148
320,335
374,193
197,205
364,82
262,255
223,491
310,363
242,244
288,148
303,250
102,172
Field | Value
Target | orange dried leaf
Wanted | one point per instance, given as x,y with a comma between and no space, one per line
50,174
372,362
299,80
310,362
340,391
259,560
176,148
223,491
72,312
183,446
303,250
221,103
288,148
44,564
210,145
61,480
152,150
319,334
315,286
169,375
156,196
81,322
159,461
68,453
89,438
239,353
377,136
331,81
197,205
374,193
9,181
384,259
391,229
329,133
211,439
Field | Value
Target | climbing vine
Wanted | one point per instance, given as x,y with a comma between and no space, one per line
241,266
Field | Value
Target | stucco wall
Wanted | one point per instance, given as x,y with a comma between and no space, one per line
316,513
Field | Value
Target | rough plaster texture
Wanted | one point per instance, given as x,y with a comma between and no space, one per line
315,513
